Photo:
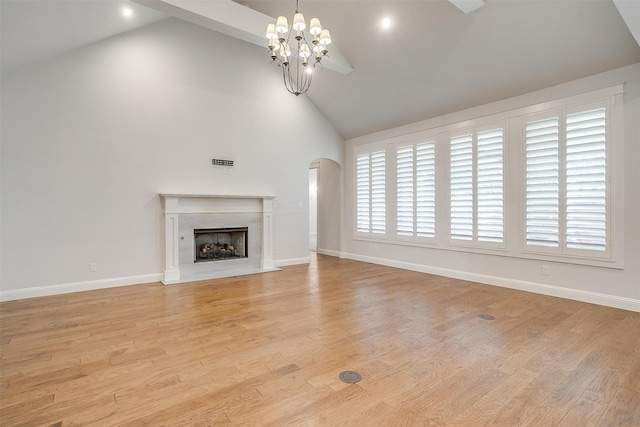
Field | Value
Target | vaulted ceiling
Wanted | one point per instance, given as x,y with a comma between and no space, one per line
434,58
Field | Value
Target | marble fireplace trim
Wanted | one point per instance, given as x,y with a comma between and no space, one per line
177,205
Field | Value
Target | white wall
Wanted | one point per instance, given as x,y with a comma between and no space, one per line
313,207
609,286
91,137
329,194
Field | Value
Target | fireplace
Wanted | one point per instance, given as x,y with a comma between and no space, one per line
219,244
194,220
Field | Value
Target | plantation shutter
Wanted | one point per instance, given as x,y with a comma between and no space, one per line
363,189
586,188
461,192
378,192
426,189
404,190
542,183
370,192
490,185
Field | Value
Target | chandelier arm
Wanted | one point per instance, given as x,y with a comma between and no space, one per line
303,78
289,82
285,76
309,76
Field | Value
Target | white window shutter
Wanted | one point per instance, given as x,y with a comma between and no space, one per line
490,186
370,192
586,180
378,192
404,191
542,183
426,189
461,187
363,194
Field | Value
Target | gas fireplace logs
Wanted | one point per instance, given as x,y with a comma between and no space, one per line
217,250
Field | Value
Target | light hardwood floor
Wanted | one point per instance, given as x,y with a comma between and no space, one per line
267,350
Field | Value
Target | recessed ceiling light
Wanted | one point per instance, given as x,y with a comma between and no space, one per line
386,23
127,12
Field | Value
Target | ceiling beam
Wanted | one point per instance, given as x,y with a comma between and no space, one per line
467,6
630,12
236,20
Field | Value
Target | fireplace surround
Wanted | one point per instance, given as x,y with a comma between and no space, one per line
186,215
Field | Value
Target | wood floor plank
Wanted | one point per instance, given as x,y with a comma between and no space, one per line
623,409
267,349
483,410
529,400
585,412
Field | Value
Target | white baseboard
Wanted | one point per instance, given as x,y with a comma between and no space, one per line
291,261
65,288
329,252
538,288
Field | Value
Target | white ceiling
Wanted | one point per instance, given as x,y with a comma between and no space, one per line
435,59
35,30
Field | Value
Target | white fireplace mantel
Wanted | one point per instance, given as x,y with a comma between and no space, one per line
181,210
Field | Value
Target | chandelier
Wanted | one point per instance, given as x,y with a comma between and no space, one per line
297,69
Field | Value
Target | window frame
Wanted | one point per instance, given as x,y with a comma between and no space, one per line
370,234
474,242
414,143
562,250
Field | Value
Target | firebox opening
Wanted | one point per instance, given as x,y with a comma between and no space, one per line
217,244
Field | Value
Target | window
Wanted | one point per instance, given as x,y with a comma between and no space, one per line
426,189
363,193
586,180
405,205
462,187
477,187
540,182
415,190
566,181
371,192
490,185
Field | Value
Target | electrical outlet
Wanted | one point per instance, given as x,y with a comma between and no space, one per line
93,267
545,270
